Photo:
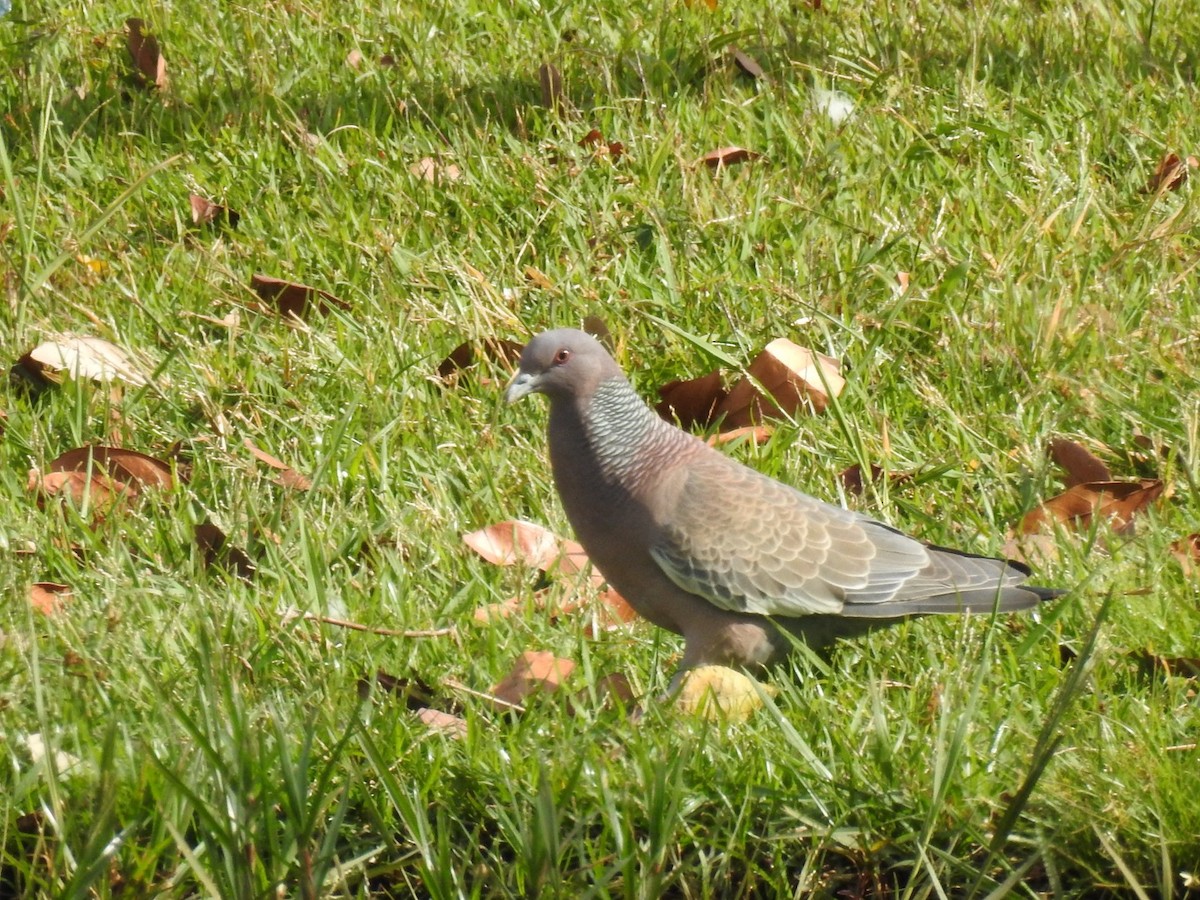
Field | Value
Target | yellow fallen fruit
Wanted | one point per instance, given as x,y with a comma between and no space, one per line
717,692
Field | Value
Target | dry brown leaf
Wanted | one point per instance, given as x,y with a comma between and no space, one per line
48,597
98,490
149,62
728,156
429,169
122,464
538,278
693,403
902,279
551,84
594,139
536,671
289,298
354,59
1078,462
516,542
219,552
597,328
80,357
510,607
791,376
1187,551
1170,174
1116,501
854,482
746,63
288,477
756,434
443,722
387,61
468,353
205,212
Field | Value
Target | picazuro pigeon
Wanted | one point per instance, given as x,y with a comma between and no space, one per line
712,550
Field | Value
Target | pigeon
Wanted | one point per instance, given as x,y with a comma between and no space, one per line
739,564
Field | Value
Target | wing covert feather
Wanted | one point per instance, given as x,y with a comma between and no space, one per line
748,543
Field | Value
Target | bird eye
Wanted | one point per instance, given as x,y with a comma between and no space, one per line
562,356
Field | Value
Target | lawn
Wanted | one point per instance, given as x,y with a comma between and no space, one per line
983,211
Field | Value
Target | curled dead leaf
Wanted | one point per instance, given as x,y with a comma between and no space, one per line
1170,174
49,597
694,402
791,376
81,358
1078,462
854,480
148,61
220,553
551,83
1187,551
205,212
755,434
728,156
535,672
288,477
746,63
289,298
1116,501
516,542
497,350
429,169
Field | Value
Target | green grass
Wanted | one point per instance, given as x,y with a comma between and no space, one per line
998,153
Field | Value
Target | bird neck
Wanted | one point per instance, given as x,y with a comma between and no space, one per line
622,432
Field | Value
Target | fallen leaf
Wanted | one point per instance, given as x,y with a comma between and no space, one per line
292,299
1167,666
429,169
536,671
717,692
1171,173
1187,551
510,607
219,552
48,597
746,63
902,281
443,722
516,542
387,61
354,59
790,375
1078,462
755,434
693,403
205,212
98,490
288,477
551,84
538,278
1116,501
597,328
80,357
147,59
728,156
125,465
600,147
854,482
468,353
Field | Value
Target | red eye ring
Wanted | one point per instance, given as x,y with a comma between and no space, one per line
562,356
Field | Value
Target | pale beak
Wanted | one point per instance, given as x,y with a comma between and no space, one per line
524,383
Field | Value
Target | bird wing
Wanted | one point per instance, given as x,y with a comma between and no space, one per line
748,543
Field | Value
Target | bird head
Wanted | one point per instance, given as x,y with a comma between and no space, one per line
561,364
